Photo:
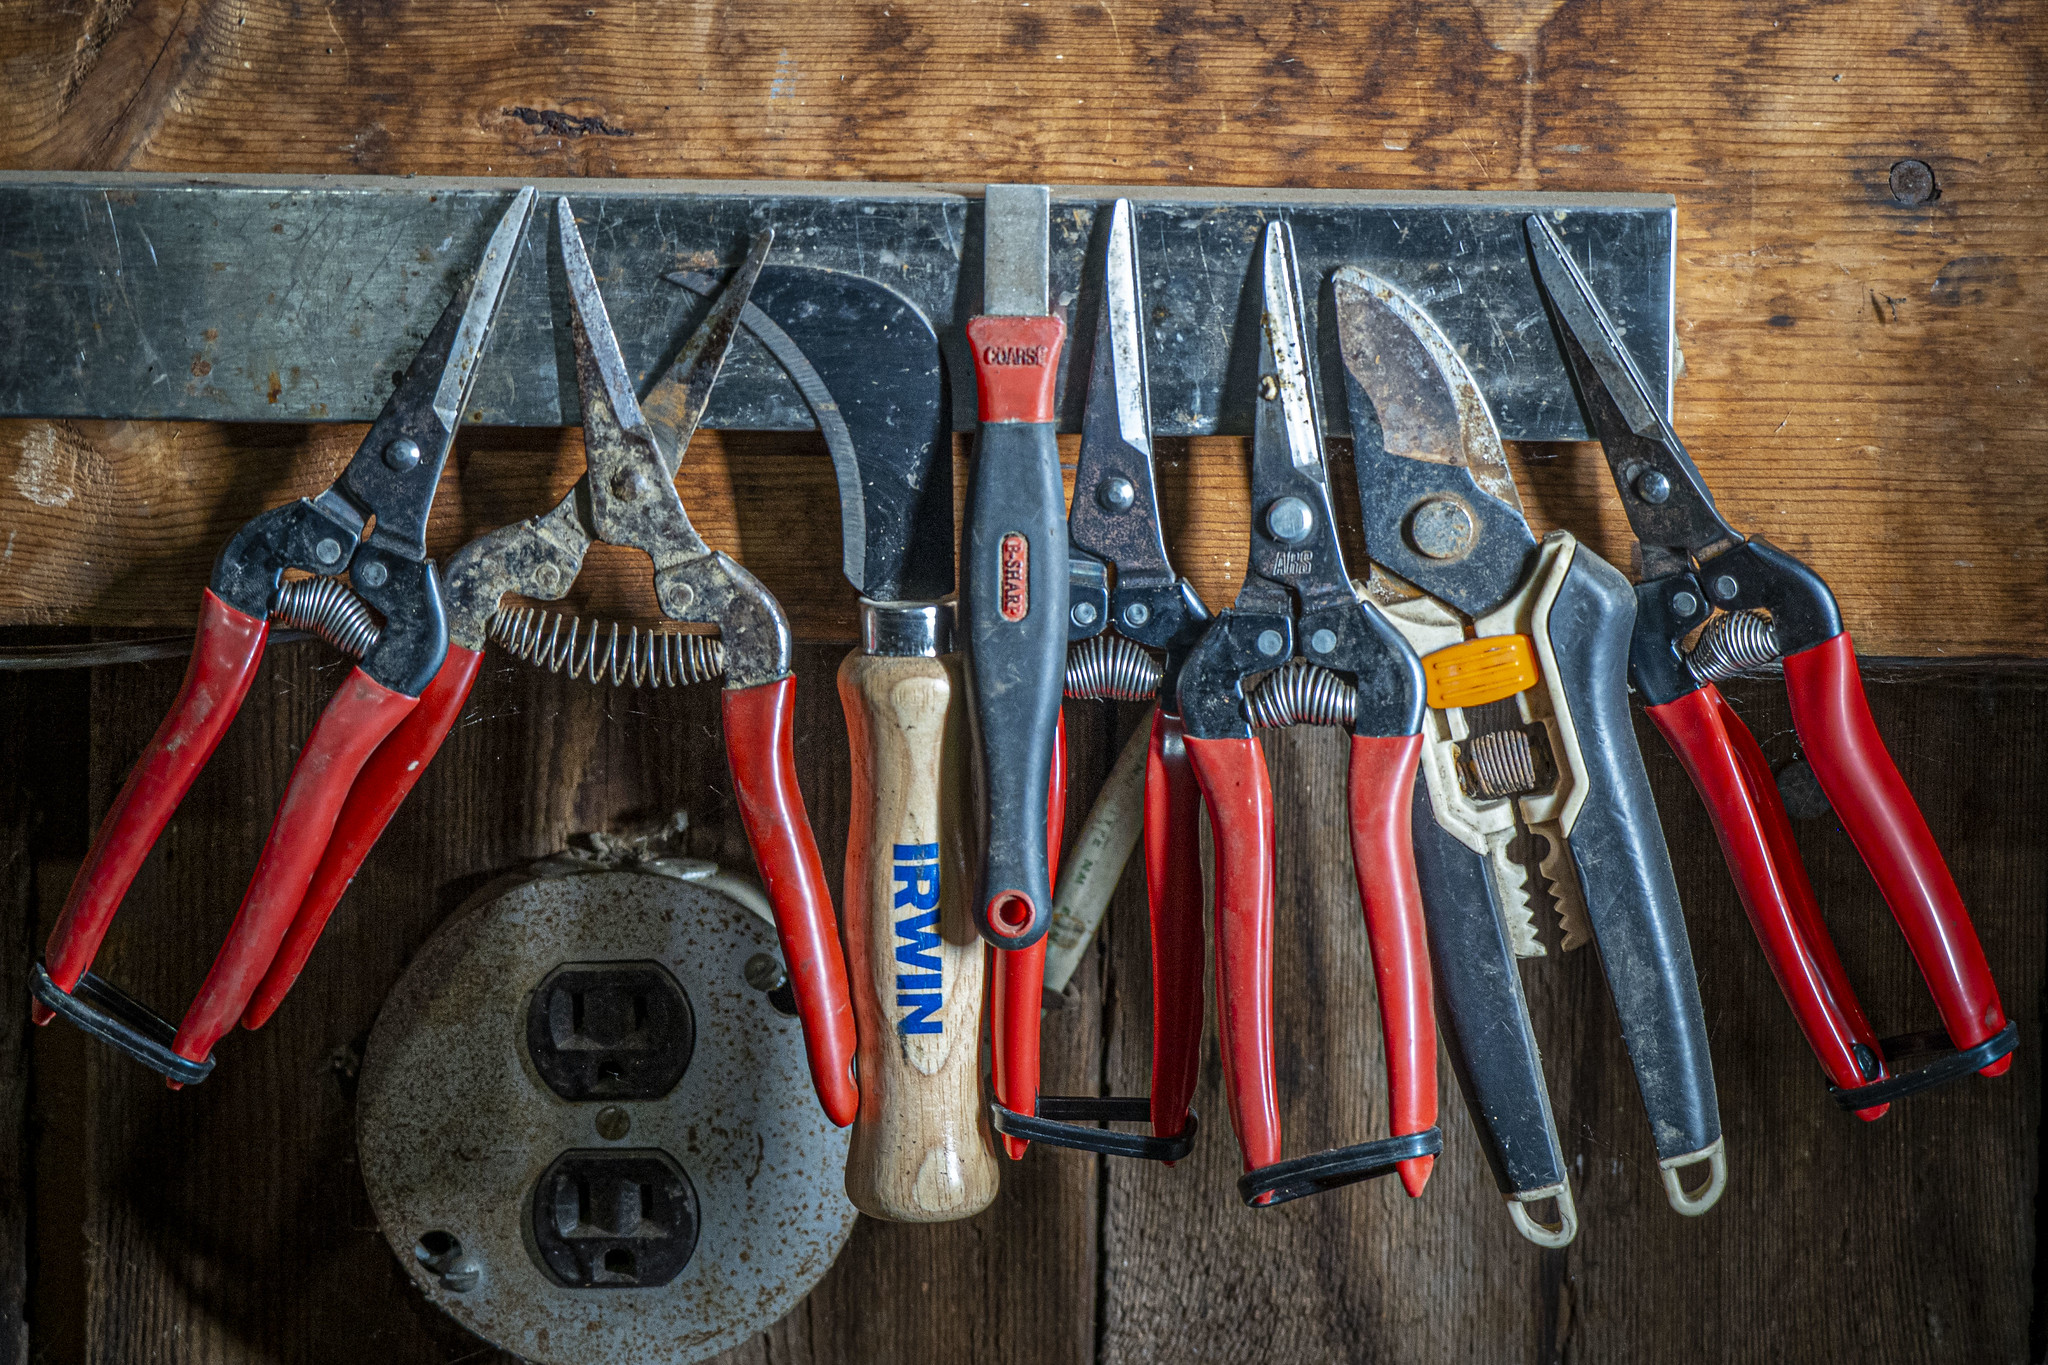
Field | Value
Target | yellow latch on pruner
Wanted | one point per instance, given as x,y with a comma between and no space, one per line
1474,672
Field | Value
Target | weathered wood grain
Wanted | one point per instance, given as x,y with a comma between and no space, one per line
1859,373
1860,386
19,819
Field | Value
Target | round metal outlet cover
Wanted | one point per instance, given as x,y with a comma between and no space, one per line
535,1220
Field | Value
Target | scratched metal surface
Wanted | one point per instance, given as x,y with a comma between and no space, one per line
260,298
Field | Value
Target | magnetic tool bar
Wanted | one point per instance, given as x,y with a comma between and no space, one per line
273,298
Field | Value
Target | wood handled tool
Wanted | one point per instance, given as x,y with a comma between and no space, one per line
1115,529
921,1149
1523,651
1013,564
1297,621
1749,603
375,594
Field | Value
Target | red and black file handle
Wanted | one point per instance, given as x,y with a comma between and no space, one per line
1013,609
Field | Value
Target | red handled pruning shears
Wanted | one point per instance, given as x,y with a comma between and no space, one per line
1115,524
1297,603
387,487
1752,603
628,497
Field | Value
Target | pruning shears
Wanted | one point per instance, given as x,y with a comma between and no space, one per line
1297,608
1749,603
363,543
1524,648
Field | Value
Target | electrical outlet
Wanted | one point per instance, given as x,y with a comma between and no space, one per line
605,1219
610,1031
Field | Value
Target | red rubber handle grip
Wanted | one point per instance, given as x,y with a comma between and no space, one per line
1015,1012
224,659
1239,792
1017,1005
1016,365
355,722
760,747
1173,895
1863,784
1382,786
1732,777
379,790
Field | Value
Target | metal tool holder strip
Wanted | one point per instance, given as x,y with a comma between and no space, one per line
294,299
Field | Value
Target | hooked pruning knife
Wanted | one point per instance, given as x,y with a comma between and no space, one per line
921,1147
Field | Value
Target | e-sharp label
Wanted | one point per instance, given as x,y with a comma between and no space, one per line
1015,599
920,975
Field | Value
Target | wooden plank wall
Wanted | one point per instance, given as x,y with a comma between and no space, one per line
1860,384
1859,373
228,1223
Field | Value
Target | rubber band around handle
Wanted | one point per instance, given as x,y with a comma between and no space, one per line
106,1012
1060,1122
1951,1065
1340,1166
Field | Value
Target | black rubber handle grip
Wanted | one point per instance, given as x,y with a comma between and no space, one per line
1482,1011
1013,605
1624,868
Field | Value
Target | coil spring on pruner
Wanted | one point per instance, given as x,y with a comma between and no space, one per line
1109,667
330,609
643,658
1733,644
1302,693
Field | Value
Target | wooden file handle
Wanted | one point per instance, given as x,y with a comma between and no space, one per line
922,1151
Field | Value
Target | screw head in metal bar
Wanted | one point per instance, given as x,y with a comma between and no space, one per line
402,454
328,551
1116,494
1684,604
374,574
1084,613
1137,614
1270,643
1724,587
1323,641
1652,487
